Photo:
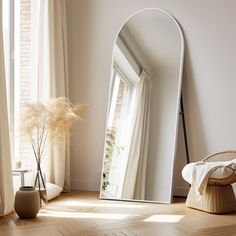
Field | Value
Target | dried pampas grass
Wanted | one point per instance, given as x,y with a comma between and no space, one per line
46,123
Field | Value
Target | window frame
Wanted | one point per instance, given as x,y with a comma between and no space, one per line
115,187
13,76
9,57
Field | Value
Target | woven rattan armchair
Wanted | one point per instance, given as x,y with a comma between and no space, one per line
219,196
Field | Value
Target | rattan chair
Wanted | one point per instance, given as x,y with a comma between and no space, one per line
219,196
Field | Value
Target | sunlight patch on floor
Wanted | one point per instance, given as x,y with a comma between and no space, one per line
112,205
164,218
83,215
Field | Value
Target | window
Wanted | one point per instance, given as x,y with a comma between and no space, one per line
123,94
117,126
22,76
17,20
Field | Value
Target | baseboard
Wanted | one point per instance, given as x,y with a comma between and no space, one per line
88,185
91,185
183,191
180,191
234,188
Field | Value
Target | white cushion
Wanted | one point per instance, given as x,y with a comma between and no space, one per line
53,191
219,173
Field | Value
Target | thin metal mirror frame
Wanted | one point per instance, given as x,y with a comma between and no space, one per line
177,105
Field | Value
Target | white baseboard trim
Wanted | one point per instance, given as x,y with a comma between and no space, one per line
234,188
88,185
181,191
93,185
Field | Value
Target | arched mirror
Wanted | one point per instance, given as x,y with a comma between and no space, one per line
142,119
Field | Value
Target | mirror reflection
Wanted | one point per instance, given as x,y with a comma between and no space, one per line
143,109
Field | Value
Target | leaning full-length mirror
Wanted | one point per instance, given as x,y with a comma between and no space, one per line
143,110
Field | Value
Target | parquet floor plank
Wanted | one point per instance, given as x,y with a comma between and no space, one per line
83,213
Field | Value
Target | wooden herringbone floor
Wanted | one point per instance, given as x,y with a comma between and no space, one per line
82,213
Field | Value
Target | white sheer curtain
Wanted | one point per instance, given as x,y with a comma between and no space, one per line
6,183
40,51
59,172
49,70
134,181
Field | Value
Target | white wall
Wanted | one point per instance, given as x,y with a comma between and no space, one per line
208,86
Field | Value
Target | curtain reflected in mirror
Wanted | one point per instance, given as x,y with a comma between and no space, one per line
127,137
143,108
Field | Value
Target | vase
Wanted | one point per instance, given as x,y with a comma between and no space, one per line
40,183
27,202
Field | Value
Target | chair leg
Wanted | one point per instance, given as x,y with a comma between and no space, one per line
217,199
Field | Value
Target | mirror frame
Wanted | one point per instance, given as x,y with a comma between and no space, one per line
180,78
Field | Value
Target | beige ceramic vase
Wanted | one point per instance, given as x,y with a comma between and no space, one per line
27,202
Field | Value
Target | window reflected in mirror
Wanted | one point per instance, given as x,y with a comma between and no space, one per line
118,127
